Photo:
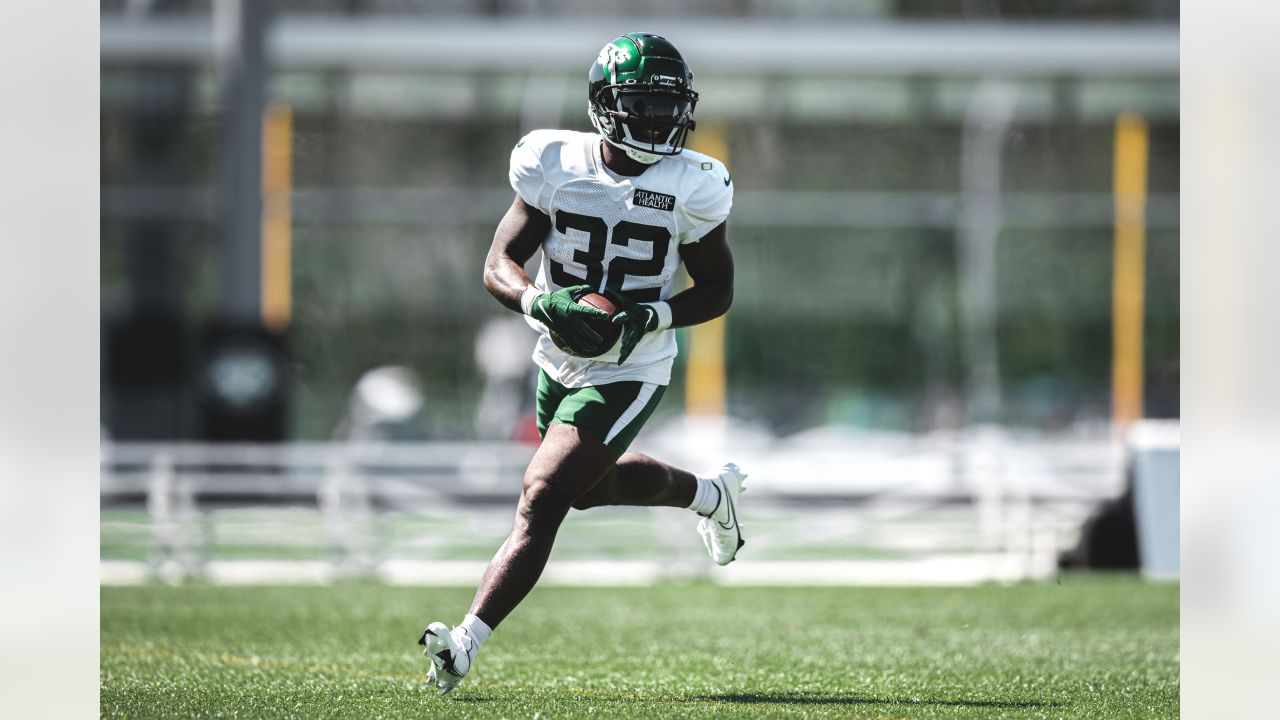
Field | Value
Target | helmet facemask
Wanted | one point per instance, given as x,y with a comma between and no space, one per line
648,119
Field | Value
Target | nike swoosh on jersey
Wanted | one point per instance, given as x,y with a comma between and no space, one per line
726,182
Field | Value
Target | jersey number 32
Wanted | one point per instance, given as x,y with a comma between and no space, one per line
592,258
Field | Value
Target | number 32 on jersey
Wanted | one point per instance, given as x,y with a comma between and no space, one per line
592,258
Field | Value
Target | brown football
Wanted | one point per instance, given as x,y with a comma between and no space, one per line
607,329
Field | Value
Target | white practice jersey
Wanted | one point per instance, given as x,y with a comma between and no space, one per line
608,230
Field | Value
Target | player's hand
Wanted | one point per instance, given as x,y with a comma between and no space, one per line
562,314
636,320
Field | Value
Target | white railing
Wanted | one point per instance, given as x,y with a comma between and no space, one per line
836,507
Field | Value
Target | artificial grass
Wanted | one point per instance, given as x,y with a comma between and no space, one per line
1085,646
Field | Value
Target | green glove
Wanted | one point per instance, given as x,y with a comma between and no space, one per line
562,314
635,319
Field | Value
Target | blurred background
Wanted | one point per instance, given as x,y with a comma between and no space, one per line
953,354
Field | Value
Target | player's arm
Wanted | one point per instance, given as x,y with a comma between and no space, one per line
519,235
517,238
710,267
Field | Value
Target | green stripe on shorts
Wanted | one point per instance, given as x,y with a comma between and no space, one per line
612,413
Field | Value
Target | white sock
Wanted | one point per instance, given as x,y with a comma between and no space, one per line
476,628
707,497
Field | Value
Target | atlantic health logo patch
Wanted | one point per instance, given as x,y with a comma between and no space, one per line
657,201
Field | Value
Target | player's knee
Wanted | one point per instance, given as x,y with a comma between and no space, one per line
540,495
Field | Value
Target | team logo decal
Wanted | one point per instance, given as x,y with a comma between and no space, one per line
657,201
613,54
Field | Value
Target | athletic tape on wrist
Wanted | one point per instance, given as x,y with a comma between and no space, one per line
527,297
663,311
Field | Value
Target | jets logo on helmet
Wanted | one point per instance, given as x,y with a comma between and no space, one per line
640,96
612,54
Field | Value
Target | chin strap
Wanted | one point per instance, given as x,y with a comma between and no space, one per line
638,155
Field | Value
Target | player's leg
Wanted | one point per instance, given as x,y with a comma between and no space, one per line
585,430
574,454
641,480
565,466
638,479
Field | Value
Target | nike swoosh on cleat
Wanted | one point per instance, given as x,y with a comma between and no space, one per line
732,515
733,521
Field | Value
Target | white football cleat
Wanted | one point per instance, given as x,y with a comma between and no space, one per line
451,653
720,530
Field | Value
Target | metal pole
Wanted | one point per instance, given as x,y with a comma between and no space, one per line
1128,289
240,31
144,339
986,125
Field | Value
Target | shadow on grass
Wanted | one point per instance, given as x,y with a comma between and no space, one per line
785,699
850,699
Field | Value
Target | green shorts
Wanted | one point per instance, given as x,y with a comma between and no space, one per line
612,413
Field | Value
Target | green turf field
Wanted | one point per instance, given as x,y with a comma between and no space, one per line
1093,647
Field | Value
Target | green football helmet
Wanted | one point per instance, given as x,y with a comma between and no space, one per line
640,96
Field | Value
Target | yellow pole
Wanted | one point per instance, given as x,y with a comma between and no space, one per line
1128,287
704,387
277,217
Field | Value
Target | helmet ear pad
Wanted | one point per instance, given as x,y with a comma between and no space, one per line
601,120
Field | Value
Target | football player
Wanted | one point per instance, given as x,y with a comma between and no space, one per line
616,212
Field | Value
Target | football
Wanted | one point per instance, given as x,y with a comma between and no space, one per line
607,329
